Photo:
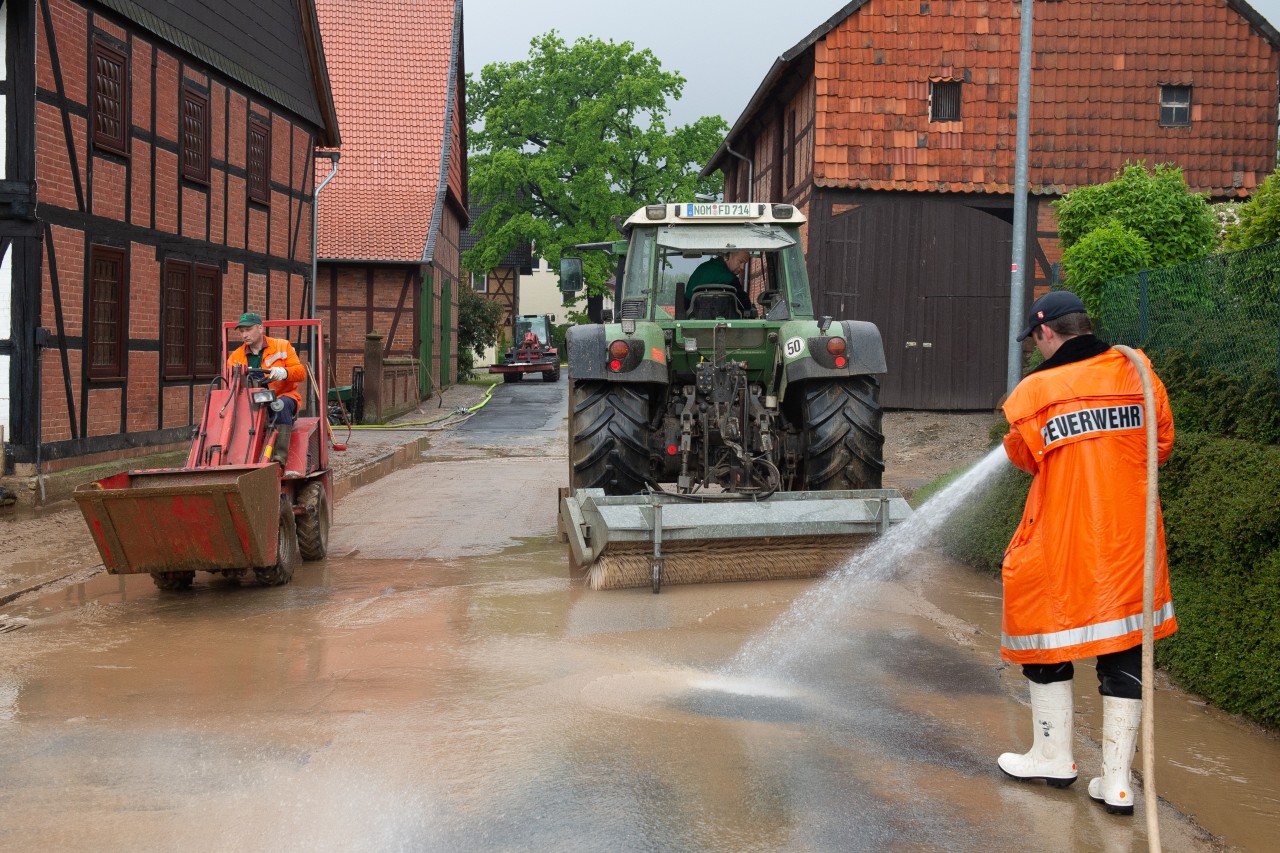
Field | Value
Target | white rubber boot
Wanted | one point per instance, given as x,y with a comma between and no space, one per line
1121,719
1050,756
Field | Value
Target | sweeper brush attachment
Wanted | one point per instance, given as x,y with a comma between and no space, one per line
652,539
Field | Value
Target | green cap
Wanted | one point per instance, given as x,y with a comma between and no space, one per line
249,319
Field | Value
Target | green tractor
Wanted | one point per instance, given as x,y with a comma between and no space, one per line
694,395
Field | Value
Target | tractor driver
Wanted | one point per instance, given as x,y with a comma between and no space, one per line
284,371
721,270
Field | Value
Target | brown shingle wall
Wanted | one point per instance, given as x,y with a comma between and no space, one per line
1095,103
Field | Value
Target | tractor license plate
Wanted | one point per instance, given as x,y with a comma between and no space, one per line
719,209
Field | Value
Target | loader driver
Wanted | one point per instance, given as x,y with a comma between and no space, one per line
721,270
1073,572
284,371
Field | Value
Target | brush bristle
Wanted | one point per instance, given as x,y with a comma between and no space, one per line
756,560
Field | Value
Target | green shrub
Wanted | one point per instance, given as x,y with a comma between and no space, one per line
1258,219
1108,251
1208,400
978,533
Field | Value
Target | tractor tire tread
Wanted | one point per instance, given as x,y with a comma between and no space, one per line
844,441
609,432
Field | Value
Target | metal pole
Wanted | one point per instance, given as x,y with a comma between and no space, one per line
313,340
1016,285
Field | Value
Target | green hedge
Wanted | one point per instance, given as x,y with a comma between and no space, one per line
1222,524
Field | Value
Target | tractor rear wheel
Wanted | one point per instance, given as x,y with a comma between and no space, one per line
844,443
609,437
313,524
173,581
286,549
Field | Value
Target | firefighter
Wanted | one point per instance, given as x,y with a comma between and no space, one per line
284,371
1073,572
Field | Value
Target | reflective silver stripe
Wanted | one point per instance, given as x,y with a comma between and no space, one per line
273,359
1087,634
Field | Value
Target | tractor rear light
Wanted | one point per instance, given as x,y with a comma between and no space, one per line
615,365
841,361
672,450
619,349
836,346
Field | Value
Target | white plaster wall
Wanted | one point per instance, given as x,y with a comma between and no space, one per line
4,132
6,331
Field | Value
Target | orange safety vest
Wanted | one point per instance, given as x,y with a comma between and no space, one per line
1073,572
276,352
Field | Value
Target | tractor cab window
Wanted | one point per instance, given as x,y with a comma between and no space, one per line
525,325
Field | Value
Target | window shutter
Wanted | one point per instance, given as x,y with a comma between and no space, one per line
177,324
259,161
110,99
106,313
195,135
205,298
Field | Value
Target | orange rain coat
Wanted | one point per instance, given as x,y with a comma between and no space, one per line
1073,572
277,351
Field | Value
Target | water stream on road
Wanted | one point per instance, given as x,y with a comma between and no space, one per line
801,629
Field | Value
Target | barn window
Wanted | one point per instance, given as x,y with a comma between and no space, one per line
195,135
107,312
110,102
192,305
259,161
480,282
1175,106
944,100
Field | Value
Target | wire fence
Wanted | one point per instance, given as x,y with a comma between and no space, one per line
1221,313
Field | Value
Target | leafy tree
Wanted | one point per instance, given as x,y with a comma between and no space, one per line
568,139
1258,219
1158,206
479,322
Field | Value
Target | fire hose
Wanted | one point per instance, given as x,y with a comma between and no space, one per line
1149,798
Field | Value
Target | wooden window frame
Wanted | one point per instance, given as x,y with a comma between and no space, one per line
937,90
259,174
117,143
114,369
199,292
1170,108
195,151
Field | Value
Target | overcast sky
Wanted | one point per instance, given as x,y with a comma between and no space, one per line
723,48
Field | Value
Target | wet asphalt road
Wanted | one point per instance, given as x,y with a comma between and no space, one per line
439,683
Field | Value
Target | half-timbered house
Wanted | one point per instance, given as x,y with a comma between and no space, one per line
392,218
502,283
892,125
155,180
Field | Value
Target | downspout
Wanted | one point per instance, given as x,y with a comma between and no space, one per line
751,170
314,342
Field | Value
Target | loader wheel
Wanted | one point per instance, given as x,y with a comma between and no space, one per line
313,524
286,549
844,442
609,437
173,581
512,377
551,375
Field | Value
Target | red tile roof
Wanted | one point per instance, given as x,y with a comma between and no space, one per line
390,64
1096,85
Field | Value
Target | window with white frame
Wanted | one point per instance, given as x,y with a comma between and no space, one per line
480,282
1175,106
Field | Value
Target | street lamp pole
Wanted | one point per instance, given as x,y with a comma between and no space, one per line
1017,288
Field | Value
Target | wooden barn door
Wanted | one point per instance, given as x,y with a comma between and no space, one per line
933,275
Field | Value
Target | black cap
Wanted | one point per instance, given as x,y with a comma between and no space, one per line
1051,306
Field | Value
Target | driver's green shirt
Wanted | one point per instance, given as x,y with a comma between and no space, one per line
713,271
254,358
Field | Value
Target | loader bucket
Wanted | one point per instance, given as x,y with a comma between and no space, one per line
643,540
185,519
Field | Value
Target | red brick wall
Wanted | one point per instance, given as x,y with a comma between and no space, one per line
353,301
187,221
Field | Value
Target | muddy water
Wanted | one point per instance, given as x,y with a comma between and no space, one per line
1216,768
482,702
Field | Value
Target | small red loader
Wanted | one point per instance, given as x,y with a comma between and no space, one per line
230,509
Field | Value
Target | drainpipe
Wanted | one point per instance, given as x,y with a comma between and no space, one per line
751,171
314,342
